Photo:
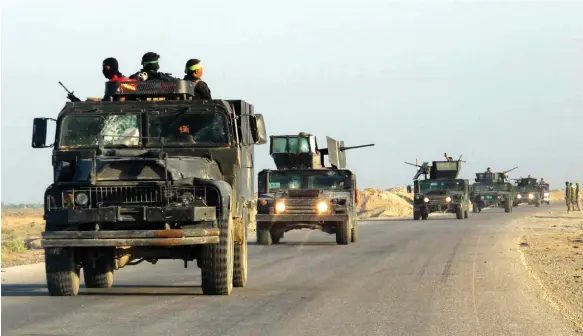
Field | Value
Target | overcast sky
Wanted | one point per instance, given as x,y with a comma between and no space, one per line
500,82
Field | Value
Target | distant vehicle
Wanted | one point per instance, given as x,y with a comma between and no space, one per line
302,193
150,174
529,191
492,190
442,191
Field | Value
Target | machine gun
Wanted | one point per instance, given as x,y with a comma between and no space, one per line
449,168
493,177
70,94
336,152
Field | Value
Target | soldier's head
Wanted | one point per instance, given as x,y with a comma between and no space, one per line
110,68
567,184
193,69
150,62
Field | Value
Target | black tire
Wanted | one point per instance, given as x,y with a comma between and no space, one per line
240,262
537,204
98,275
424,215
217,262
276,237
466,214
343,232
264,237
354,233
475,208
507,206
459,213
61,271
416,215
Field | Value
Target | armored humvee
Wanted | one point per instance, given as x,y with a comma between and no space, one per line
302,193
152,173
442,192
492,190
529,191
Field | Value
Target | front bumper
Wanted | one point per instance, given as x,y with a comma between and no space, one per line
303,218
114,214
119,238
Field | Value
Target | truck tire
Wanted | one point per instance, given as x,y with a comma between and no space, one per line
61,271
416,214
240,259
217,262
459,212
343,233
276,237
507,206
263,236
466,214
537,204
475,208
98,275
424,215
354,233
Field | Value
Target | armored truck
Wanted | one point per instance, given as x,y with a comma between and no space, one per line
492,190
149,173
302,193
528,191
442,192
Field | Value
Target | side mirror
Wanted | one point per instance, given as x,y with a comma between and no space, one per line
258,129
409,189
39,133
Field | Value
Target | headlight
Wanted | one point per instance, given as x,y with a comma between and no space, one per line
81,198
426,200
68,200
263,202
531,196
546,194
518,196
448,199
482,197
322,206
280,206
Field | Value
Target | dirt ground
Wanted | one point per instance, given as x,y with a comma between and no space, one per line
552,245
21,230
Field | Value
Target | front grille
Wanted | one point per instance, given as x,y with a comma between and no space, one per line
301,206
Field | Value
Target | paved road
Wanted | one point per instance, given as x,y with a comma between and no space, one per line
437,277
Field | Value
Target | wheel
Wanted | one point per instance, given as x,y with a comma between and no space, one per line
459,213
424,215
263,237
343,232
240,263
416,214
475,208
275,237
61,271
354,233
537,204
98,274
466,214
507,206
217,262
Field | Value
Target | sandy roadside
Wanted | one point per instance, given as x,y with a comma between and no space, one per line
551,245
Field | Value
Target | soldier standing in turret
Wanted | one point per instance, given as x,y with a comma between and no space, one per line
568,196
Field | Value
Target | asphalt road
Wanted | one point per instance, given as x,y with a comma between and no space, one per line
437,277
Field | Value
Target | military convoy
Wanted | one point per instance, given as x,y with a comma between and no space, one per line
492,190
151,174
302,193
530,192
442,192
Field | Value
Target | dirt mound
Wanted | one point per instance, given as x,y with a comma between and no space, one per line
376,203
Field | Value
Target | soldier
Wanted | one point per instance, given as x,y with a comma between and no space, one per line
578,201
573,196
150,67
193,70
568,196
488,171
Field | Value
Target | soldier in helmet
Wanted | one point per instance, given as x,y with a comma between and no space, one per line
193,70
568,196
573,196
577,199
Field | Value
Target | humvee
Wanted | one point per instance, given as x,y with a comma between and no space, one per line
441,192
302,193
152,173
528,191
492,190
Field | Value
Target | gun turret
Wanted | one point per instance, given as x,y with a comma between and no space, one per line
301,152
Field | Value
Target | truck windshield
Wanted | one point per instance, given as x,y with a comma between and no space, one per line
323,180
183,129
491,187
427,186
118,130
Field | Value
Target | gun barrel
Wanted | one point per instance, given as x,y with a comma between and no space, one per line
509,170
353,147
412,164
64,87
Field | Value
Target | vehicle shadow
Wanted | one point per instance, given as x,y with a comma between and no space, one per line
117,290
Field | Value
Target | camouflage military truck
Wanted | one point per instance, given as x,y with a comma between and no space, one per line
151,174
302,193
492,190
528,191
442,192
